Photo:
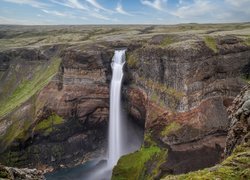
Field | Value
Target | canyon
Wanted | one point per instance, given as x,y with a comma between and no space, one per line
179,81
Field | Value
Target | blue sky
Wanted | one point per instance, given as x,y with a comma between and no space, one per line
33,12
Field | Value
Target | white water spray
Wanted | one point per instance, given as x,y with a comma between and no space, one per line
115,141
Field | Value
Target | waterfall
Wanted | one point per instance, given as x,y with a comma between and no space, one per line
124,137
115,141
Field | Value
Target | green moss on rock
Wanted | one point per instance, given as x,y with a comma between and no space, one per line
236,166
148,141
173,126
27,88
134,165
16,131
46,125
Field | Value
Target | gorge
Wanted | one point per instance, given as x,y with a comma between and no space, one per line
178,83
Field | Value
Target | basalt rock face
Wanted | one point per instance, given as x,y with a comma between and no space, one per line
235,163
183,91
178,92
239,121
64,123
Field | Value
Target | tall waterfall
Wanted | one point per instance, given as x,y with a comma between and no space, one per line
115,141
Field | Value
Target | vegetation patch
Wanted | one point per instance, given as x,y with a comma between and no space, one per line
167,41
247,40
132,61
46,125
211,43
28,88
134,165
153,170
161,88
148,141
155,98
173,126
236,166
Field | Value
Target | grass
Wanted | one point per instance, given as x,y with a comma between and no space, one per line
19,130
46,125
28,88
167,41
247,41
211,43
236,166
174,126
21,36
133,166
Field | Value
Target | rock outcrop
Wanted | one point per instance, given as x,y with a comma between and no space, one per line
237,151
239,121
9,173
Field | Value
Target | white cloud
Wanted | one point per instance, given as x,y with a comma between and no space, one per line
32,3
239,5
157,4
75,4
97,5
57,13
99,16
120,10
197,9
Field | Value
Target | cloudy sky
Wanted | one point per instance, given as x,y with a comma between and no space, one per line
123,11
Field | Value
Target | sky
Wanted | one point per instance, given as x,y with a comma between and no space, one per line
54,12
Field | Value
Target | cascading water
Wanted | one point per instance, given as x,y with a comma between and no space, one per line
123,136
115,140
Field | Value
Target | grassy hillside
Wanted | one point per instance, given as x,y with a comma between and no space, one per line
27,86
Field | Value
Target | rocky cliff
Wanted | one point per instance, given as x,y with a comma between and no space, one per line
55,97
64,121
182,91
236,165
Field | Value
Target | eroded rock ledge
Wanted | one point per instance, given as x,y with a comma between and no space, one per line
237,151
10,173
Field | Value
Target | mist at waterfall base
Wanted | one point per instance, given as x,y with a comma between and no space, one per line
124,136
